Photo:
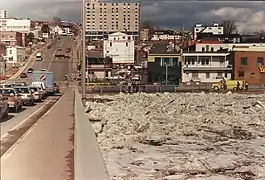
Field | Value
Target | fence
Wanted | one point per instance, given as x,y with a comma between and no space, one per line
159,88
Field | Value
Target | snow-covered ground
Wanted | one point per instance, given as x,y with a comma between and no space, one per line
181,136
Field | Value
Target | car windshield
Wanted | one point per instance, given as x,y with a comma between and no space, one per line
23,90
7,91
35,89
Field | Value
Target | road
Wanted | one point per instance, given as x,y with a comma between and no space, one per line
59,66
50,140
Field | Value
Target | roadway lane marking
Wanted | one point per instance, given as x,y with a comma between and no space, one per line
27,133
25,120
63,41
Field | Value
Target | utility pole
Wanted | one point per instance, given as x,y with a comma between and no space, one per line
83,81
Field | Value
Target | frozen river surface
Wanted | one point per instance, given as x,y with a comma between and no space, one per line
181,136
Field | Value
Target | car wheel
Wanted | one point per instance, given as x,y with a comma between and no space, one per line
216,88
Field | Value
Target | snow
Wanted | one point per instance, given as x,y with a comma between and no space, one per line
180,136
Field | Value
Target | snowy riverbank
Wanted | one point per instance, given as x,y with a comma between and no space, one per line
175,136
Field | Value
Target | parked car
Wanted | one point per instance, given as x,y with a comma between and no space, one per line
26,94
23,75
30,70
49,46
14,98
43,69
6,85
4,108
37,94
20,83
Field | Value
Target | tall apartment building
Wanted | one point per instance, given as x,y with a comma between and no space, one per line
104,18
3,14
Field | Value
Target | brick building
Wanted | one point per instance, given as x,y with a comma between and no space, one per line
248,64
11,38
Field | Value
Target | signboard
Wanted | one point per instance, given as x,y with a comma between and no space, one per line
42,77
262,69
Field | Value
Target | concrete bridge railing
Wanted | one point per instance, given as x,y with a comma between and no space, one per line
88,163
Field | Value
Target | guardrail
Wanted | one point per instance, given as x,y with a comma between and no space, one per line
88,162
159,88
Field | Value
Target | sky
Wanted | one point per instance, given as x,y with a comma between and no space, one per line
249,15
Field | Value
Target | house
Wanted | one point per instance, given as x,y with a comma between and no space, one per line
206,67
98,67
163,64
249,64
215,29
119,47
11,38
15,55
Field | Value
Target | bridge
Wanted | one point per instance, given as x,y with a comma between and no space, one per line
52,140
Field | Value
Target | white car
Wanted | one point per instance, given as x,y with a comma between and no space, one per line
37,94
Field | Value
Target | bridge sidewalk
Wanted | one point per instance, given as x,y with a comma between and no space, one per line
46,151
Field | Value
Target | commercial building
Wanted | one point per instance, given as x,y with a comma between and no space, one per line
249,64
206,67
103,18
16,25
15,56
3,14
120,48
215,29
208,46
144,34
11,38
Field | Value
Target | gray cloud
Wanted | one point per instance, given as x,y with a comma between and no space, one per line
249,15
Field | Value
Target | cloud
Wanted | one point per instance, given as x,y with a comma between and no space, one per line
250,16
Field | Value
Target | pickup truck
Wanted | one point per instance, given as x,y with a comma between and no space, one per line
4,109
14,98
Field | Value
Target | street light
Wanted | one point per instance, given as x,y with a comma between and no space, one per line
83,35
166,65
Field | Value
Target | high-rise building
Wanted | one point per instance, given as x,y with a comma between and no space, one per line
3,14
104,18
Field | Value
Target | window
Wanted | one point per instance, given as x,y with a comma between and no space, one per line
207,48
203,49
219,74
10,51
241,73
207,75
260,61
126,44
110,44
195,75
244,61
207,61
212,49
225,75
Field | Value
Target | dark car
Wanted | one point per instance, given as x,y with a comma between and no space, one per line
23,75
56,88
49,46
30,70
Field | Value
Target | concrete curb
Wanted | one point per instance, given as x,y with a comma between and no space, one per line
88,162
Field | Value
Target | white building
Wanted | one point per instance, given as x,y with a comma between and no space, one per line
211,47
120,47
57,30
17,25
3,14
216,29
15,55
205,67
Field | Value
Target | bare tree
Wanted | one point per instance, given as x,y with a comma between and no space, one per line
229,27
57,21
